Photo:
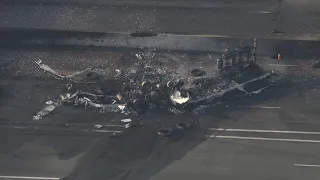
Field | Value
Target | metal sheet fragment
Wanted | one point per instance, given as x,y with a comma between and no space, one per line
56,74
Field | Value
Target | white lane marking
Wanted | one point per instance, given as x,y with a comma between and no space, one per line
85,130
265,139
264,12
113,125
285,65
261,107
308,165
106,131
264,131
27,177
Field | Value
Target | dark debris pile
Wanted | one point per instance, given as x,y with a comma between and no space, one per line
146,89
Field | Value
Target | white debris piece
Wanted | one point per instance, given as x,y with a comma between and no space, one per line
127,125
80,101
87,99
121,107
53,105
118,73
126,120
90,94
48,69
98,126
49,102
44,112
139,56
68,96
176,98
105,107
175,111
259,90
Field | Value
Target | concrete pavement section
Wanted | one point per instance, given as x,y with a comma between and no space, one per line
252,138
290,19
153,3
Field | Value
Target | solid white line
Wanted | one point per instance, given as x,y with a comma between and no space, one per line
289,65
307,165
113,125
26,177
265,139
262,107
264,131
106,131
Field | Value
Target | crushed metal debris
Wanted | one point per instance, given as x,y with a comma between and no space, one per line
58,75
145,90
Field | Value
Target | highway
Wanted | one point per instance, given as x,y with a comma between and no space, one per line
250,18
273,135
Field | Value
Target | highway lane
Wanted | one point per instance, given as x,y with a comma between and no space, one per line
256,20
245,159
276,138
140,153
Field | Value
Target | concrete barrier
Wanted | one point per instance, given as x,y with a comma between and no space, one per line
95,41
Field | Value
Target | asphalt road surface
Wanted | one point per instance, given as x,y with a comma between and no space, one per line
255,18
274,135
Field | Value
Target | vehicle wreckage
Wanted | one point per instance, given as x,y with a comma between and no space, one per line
238,75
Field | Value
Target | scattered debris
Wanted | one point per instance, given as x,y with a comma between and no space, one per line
126,120
49,102
139,56
48,69
48,109
179,97
98,126
175,110
142,91
68,97
105,107
69,86
118,73
127,125
54,105
56,74
121,107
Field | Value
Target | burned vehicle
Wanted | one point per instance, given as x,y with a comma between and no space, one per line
137,93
